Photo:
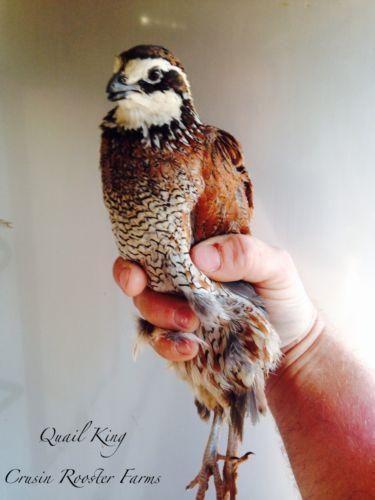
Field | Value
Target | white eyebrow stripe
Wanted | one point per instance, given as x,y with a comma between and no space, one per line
117,65
137,69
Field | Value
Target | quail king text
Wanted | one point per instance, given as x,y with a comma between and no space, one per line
107,440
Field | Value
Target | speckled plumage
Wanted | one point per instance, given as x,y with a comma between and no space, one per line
168,187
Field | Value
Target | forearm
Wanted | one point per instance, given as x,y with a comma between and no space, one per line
324,407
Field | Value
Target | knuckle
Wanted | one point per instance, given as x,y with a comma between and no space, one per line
119,266
244,252
286,263
229,252
236,253
119,263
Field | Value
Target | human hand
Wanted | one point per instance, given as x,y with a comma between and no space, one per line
225,258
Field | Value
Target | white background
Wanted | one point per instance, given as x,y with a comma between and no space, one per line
294,82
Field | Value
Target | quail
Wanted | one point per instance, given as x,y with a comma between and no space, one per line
169,182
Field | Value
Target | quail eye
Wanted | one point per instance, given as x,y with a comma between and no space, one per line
154,74
122,79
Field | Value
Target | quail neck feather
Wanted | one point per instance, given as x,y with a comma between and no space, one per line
170,181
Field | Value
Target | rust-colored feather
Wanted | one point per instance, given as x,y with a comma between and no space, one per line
225,206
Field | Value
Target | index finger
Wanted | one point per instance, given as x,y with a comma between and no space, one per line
130,277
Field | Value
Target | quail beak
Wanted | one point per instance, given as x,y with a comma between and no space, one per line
117,89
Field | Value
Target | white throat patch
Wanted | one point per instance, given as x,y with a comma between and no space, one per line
140,110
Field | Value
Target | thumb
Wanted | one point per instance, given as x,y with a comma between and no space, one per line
242,257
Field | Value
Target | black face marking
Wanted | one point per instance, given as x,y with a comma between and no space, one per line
171,80
121,78
175,81
154,74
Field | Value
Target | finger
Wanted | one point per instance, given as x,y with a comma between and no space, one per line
242,257
129,276
176,350
166,311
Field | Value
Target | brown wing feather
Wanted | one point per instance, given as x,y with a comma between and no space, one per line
225,205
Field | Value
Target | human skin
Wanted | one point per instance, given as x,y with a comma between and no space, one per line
322,398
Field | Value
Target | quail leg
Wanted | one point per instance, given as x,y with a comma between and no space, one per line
210,466
232,462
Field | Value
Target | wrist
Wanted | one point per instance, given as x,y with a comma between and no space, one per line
298,358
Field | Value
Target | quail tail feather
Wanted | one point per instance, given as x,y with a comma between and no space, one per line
241,348
237,345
